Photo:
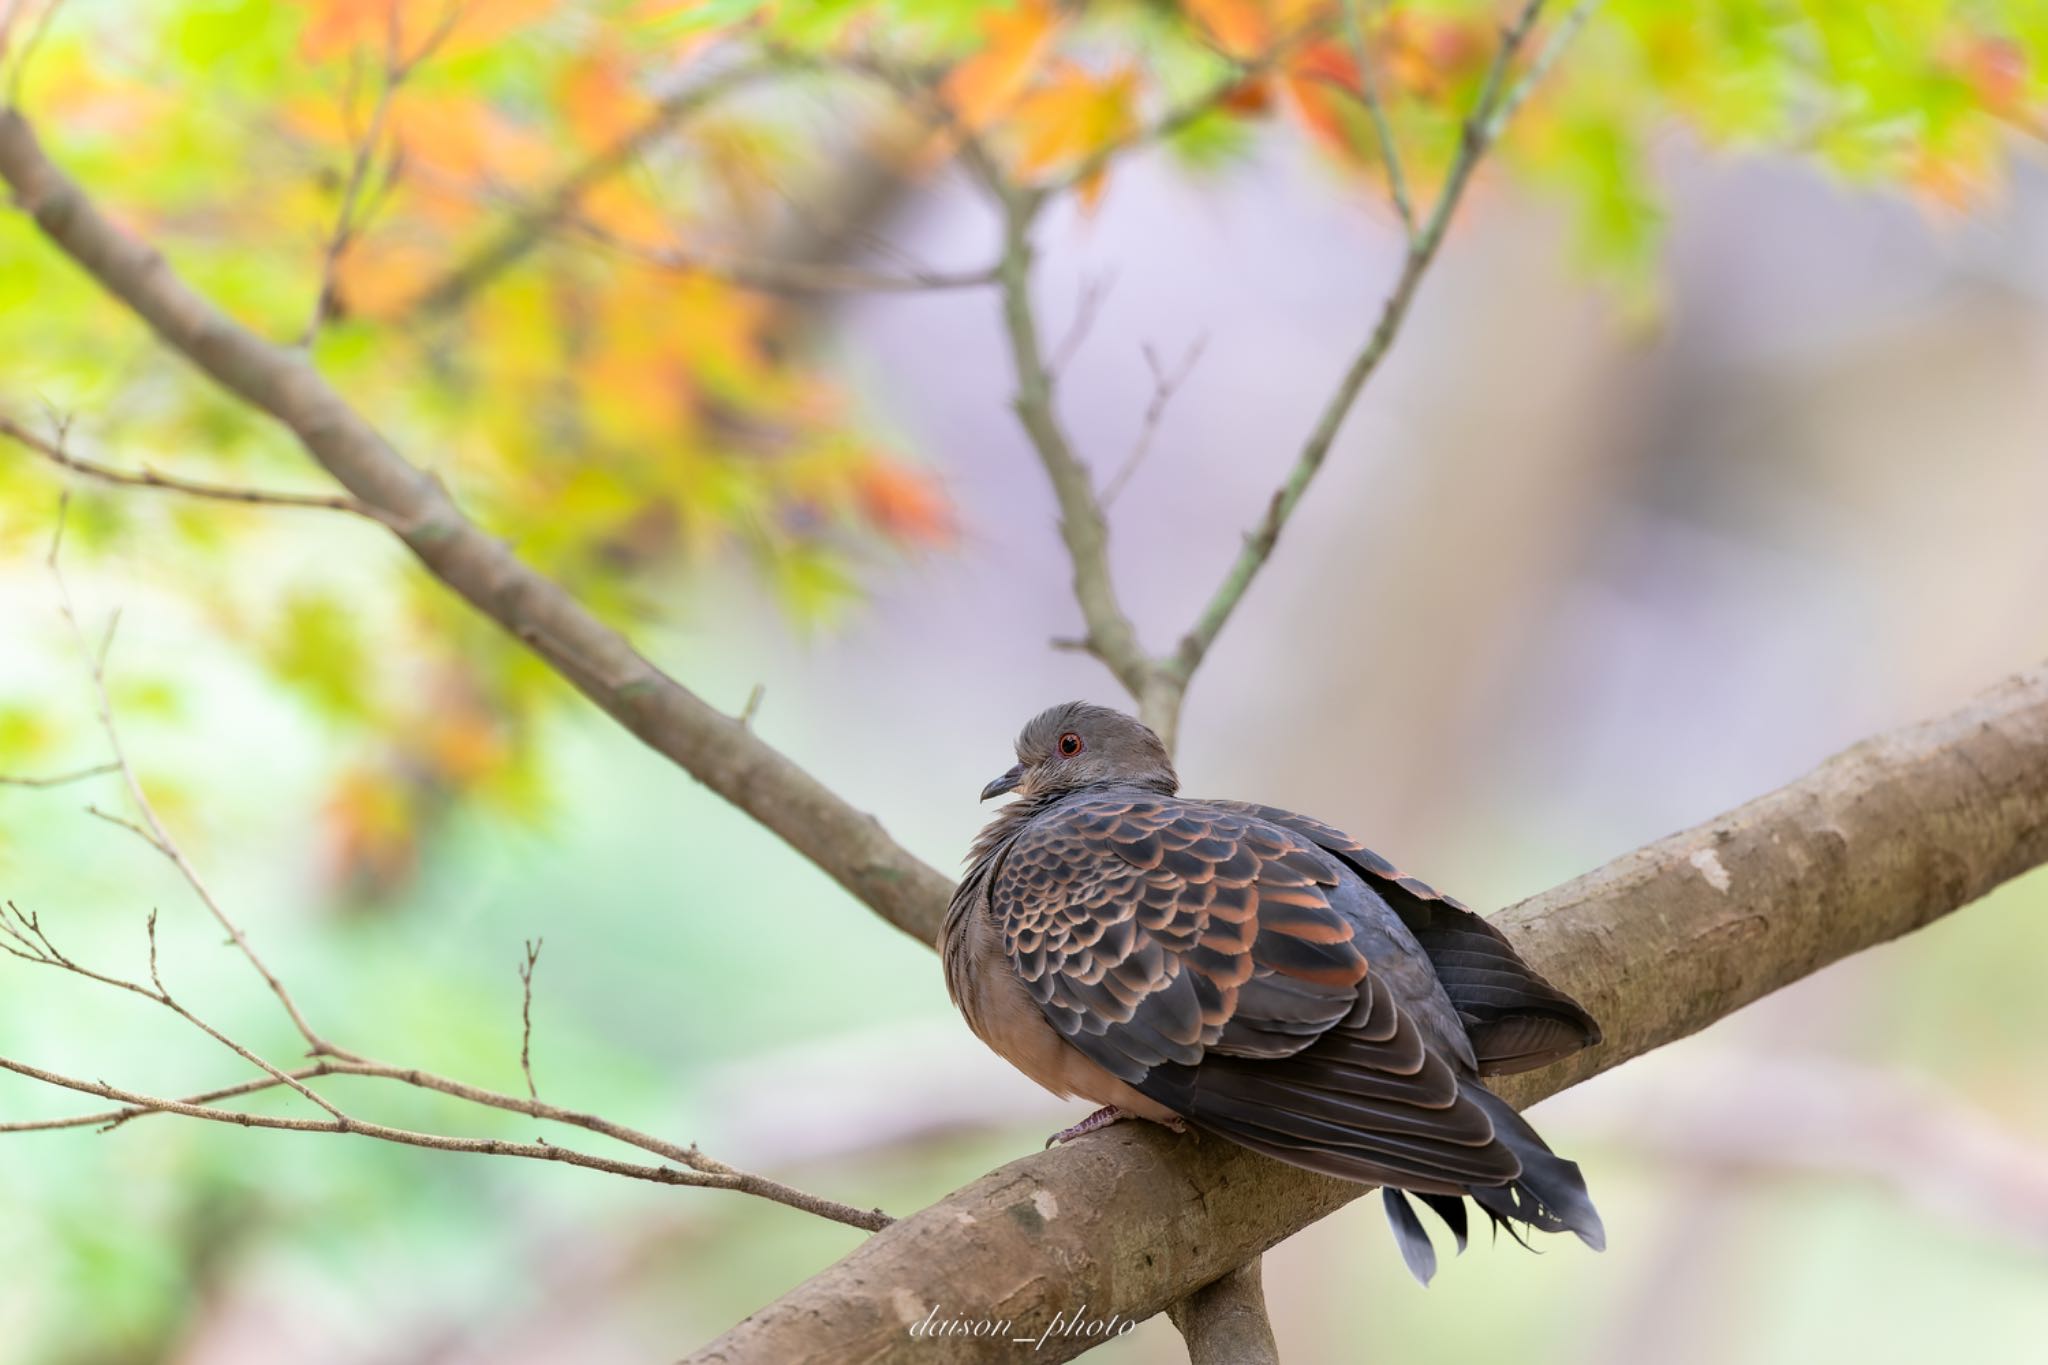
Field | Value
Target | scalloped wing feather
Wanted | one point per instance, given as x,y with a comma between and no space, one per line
1517,1020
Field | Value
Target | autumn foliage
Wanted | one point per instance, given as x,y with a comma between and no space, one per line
523,234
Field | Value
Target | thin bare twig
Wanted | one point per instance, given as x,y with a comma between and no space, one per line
1094,293
351,219
1369,91
39,28
526,1015
1546,57
109,1119
558,205
61,779
123,822
55,452
1482,125
151,829
1111,636
31,944
690,1157
345,224
784,277
714,1175
1165,384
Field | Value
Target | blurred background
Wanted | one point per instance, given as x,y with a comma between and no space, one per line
1701,457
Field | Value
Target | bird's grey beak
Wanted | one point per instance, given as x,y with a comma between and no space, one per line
1006,783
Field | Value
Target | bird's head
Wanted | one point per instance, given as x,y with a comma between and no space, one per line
1077,745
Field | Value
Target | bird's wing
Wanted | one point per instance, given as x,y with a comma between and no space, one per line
1517,1021
1213,960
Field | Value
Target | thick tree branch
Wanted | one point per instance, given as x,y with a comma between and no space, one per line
720,752
1876,842
1225,1322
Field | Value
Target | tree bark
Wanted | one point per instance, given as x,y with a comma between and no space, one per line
1876,842
1225,1323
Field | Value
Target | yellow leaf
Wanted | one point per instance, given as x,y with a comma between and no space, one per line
25,733
983,86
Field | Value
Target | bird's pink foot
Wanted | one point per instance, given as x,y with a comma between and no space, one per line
1107,1115
1101,1118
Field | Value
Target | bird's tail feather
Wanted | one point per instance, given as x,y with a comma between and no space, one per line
1548,1196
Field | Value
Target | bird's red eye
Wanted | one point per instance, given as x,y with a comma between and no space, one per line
1070,744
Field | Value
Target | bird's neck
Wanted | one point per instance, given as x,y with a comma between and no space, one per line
1011,819
1007,823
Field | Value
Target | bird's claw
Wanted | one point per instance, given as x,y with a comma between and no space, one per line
1107,1115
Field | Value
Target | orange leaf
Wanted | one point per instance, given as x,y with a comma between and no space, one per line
1996,70
1090,189
983,86
1958,175
902,503
466,747
483,22
1073,116
334,27
1238,26
598,99
1316,80
462,138
1426,56
1249,99
1327,61
376,278
370,821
